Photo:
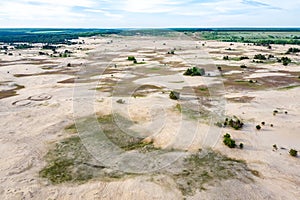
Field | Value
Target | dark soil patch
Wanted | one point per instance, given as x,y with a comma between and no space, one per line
10,93
242,99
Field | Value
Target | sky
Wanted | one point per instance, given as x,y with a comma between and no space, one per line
148,13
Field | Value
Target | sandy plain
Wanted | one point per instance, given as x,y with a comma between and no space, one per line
42,95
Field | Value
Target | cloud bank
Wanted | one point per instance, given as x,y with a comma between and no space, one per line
145,13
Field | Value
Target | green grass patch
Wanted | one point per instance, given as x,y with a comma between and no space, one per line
289,87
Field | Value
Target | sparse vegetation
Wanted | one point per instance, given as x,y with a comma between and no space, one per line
201,170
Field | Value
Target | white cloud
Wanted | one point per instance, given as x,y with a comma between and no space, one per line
104,12
65,3
150,6
149,13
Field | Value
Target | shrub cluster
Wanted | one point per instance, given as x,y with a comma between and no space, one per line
194,71
228,141
292,50
260,57
284,60
234,123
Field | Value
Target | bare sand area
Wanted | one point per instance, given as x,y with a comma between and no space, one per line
97,125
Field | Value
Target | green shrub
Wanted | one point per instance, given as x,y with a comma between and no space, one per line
131,58
243,66
292,50
258,127
260,57
174,95
285,60
228,141
225,58
194,71
234,123
241,145
244,57
293,152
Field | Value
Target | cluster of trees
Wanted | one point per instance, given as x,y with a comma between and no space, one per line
51,36
284,60
236,59
230,142
234,123
23,46
293,50
260,57
49,47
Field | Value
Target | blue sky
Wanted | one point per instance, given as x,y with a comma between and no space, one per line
149,13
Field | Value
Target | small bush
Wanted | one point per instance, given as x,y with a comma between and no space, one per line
260,57
258,127
241,145
244,57
243,66
275,147
225,58
174,95
263,123
293,152
131,58
171,52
